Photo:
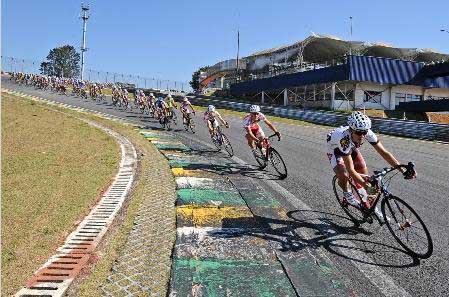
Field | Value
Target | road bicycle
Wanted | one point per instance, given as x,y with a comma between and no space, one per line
189,123
265,154
407,228
221,141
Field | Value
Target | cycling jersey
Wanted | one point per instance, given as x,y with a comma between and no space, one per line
253,124
210,115
185,107
170,102
339,143
160,103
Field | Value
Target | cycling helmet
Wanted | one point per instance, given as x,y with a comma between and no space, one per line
211,108
359,121
184,99
254,108
151,95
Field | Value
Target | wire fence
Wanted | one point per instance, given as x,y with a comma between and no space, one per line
12,64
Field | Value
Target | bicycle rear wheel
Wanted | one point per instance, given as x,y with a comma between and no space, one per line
227,145
353,212
407,227
277,162
192,125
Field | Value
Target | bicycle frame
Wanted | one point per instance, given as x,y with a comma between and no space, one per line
265,143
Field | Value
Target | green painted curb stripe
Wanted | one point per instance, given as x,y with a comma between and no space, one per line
179,147
205,196
312,278
258,197
229,278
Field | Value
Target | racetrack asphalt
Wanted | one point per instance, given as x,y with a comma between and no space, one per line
368,257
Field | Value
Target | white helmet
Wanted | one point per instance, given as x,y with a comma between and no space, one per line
184,99
211,108
151,95
254,108
359,121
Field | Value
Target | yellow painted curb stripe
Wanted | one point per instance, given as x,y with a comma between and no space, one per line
178,171
210,215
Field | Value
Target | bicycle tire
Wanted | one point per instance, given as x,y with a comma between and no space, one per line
167,123
398,225
277,162
192,126
260,159
227,145
354,214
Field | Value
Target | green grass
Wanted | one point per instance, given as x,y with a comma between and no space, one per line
52,173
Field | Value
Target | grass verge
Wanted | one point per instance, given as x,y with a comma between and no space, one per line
52,173
89,282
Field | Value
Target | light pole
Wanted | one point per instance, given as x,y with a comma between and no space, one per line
350,36
85,17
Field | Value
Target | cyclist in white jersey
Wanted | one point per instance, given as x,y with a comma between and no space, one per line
210,117
186,108
343,145
251,125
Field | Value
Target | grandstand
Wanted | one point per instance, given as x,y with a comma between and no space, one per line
325,71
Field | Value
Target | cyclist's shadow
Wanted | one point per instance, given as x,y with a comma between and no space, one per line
287,236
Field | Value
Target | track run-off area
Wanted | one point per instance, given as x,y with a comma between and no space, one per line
368,257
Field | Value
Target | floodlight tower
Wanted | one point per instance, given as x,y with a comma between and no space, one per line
84,17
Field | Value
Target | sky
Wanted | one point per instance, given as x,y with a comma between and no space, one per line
170,39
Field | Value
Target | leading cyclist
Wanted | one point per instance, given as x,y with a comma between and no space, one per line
347,162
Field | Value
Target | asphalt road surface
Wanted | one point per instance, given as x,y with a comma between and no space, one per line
368,256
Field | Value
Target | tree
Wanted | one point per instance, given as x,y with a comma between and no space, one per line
195,83
62,61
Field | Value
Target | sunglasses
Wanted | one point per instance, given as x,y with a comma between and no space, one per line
360,133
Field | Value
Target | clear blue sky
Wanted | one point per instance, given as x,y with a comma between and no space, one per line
171,39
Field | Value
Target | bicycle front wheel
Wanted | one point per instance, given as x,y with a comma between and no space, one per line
277,162
407,227
227,145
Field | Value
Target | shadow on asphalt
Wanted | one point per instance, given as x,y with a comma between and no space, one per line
250,171
286,236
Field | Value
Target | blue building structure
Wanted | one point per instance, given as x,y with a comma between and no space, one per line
359,82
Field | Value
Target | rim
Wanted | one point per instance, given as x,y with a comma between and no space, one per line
407,227
278,163
227,145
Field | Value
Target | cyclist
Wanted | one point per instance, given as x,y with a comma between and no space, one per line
186,108
346,160
171,104
161,108
253,131
210,117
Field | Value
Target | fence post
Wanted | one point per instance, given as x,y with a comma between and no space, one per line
285,97
333,96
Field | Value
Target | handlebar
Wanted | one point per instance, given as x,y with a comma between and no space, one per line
409,167
273,135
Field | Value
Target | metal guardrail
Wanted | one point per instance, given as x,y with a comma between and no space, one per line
407,128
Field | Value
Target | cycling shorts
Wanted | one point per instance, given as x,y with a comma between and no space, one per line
336,158
257,131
